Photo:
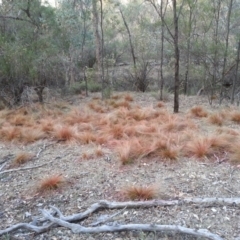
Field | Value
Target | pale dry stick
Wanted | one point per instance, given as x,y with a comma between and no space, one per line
78,229
121,205
221,160
43,148
21,169
27,226
146,204
105,218
4,164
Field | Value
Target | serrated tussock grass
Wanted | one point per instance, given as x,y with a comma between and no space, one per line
199,111
21,158
140,192
137,132
216,119
51,182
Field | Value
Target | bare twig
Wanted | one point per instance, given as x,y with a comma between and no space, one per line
106,218
4,164
43,148
21,169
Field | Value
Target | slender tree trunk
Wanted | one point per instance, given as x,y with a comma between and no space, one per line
162,46
215,59
236,74
130,39
189,34
97,39
176,49
226,46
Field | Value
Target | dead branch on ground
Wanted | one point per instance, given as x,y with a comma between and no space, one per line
48,220
21,169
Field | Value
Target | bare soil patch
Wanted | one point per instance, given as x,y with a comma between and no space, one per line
85,143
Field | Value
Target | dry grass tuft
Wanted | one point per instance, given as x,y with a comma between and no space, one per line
199,111
87,156
199,147
219,142
30,135
216,119
124,104
160,104
129,150
99,152
10,133
22,158
229,131
19,120
87,137
128,98
140,192
170,152
116,97
235,117
51,183
234,156
64,133
47,125
117,131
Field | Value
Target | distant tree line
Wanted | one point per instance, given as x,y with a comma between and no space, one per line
186,46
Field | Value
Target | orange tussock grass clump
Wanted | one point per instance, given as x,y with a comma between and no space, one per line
216,119
86,137
30,135
175,124
198,111
129,150
140,192
147,128
170,152
95,106
19,120
221,141
116,131
138,114
115,97
160,104
47,125
199,147
102,138
87,156
228,131
22,158
235,117
10,133
50,183
128,98
124,104
234,156
64,133
99,151
125,153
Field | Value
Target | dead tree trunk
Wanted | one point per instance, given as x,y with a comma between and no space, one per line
236,75
176,49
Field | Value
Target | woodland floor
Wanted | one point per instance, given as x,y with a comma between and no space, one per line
98,170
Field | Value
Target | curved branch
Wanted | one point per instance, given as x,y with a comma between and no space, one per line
76,228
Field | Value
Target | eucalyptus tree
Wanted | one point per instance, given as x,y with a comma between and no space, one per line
188,22
28,53
174,35
161,11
